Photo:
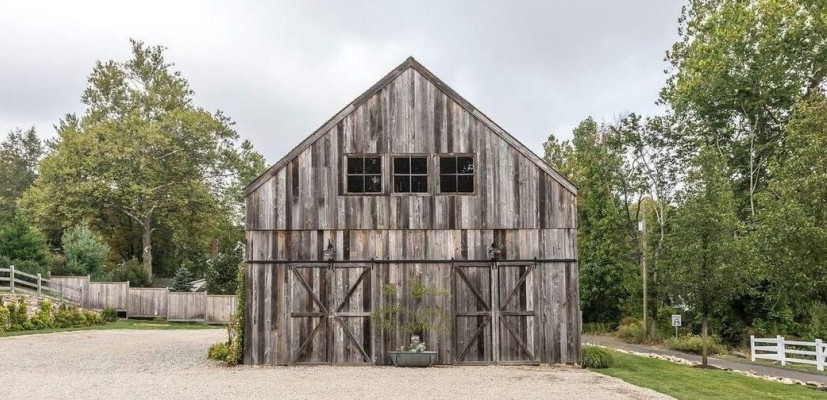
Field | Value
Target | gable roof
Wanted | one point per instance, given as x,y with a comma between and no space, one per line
411,63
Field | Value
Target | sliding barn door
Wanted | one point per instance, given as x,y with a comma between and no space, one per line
495,320
329,314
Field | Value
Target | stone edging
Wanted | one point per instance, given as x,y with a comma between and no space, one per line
751,374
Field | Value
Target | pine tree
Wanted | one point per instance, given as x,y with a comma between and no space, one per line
183,280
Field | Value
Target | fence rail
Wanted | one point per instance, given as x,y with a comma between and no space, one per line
135,302
776,349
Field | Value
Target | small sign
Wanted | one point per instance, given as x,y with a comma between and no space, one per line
676,320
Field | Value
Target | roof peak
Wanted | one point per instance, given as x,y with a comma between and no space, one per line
409,63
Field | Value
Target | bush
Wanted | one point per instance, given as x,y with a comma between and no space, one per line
219,352
93,318
222,271
817,326
5,317
630,331
63,318
694,343
20,242
30,267
596,357
18,313
43,318
109,314
84,251
598,328
133,272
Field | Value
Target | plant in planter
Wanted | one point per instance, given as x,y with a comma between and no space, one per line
423,316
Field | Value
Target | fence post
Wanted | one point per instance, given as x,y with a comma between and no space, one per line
782,353
819,355
11,277
752,347
39,278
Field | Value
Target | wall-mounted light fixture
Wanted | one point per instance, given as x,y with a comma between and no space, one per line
494,251
330,252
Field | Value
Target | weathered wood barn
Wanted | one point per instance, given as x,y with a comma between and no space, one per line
410,183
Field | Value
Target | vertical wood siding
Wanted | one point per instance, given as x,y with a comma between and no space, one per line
301,206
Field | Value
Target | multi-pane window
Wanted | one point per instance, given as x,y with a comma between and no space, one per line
456,174
410,175
364,174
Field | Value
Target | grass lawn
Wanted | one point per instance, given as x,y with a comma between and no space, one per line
121,324
684,382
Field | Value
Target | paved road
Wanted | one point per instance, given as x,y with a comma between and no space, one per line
123,364
745,365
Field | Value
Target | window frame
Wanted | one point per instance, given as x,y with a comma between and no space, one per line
429,175
437,169
382,176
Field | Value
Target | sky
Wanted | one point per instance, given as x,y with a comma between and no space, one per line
281,69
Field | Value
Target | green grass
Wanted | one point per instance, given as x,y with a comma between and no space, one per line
120,324
790,366
685,382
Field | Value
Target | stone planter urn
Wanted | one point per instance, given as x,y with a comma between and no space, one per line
419,359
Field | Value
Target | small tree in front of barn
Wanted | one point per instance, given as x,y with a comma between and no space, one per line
704,257
422,316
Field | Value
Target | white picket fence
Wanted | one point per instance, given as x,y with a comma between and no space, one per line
776,349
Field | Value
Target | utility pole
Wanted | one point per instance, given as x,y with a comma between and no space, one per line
641,227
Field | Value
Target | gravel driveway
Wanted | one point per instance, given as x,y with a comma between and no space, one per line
126,364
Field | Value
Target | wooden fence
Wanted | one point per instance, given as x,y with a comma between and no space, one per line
799,352
135,302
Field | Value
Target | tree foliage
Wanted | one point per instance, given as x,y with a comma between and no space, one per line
20,153
24,246
144,164
705,255
607,257
84,252
222,271
737,71
182,281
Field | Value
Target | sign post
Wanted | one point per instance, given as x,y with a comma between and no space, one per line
676,322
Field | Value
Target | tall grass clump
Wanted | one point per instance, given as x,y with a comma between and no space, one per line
596,357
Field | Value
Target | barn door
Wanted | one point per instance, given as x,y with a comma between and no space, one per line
473,314
329,314
494,314
350,314
517,324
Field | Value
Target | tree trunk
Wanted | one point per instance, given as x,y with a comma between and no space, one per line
704,346
146,242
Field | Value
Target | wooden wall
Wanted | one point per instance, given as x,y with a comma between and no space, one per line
147,302
465,244
107,294
186,306
272,336
299,205
220,309
411,115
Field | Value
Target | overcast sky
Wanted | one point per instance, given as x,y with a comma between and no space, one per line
281,69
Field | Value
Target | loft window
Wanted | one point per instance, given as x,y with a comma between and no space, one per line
410,175
456,174
364,174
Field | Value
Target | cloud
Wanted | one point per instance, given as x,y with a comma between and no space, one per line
280,69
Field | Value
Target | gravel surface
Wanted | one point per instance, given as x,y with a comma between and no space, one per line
124,364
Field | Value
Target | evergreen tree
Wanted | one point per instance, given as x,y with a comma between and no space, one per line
183,280
20,242
19,155
84,252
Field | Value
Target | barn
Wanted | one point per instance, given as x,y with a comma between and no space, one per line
410,187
